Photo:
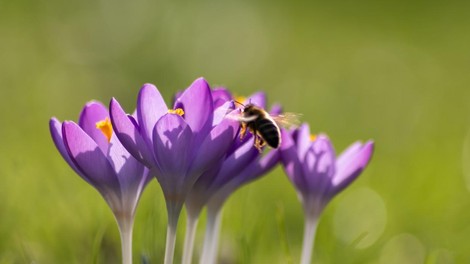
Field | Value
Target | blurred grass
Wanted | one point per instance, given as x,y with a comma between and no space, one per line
396,72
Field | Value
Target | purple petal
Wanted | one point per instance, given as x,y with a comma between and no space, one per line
130,172
303,140
92,113
291,162
276,109
204,187
86,155
197,104
215,145
348,153
263,166
150,107
255,170
319,165
220,96
55,128
258,99
238,160
176,96
352,167
129,134
258,168
172,139
221,112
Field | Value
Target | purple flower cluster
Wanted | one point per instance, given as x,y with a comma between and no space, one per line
192,149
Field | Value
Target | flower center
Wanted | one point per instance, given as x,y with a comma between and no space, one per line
313,137
177,111
105,127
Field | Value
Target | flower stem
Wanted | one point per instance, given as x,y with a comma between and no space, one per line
311,223
211,240
125,230
173,216
189,238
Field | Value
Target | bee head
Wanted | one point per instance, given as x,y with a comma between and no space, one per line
250,110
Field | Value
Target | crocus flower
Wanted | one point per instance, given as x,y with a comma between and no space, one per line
311,165
94,152
177,144
242,164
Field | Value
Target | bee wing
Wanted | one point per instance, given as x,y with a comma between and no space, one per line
287,119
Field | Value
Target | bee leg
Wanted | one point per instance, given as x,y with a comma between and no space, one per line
243,131
259,143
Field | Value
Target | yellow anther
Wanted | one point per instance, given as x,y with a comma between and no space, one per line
240,99
177,111
313,137
106,128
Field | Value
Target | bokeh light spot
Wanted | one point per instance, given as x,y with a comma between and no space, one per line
404,249
441,256
360,218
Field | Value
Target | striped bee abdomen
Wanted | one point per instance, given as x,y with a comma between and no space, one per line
269,131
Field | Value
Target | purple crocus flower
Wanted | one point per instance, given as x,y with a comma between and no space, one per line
318,175
94,152
242,163
177,144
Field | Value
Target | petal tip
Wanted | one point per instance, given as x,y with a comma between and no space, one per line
53,120
148,86
200,82
55,128
369,148
93,103
287,140
276,109
322,136
147,89
67,124
113,103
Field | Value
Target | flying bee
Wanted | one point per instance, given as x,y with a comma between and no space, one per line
264,127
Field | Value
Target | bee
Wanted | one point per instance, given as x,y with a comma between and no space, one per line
264,127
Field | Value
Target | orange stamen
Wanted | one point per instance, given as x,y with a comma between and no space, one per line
106,128
240,99
313,137
177,111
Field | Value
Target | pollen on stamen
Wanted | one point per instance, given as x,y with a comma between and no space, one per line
239,98
177,111
106,128
313,137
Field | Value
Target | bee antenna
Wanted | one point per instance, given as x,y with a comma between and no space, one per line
235,101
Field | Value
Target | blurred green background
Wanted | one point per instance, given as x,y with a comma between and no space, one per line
393,71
